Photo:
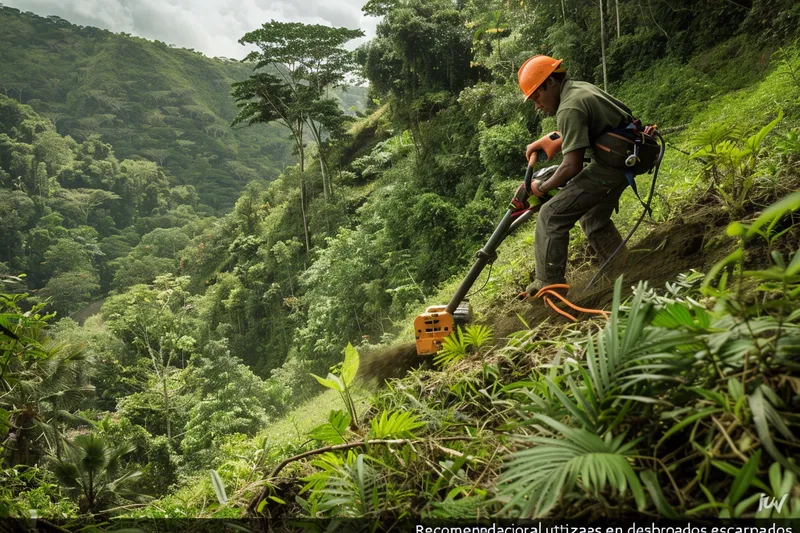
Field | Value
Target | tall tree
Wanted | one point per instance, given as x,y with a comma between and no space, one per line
266,98
157,321
296,64
420,57
603,46
87,200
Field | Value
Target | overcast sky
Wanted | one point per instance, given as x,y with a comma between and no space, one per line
213,27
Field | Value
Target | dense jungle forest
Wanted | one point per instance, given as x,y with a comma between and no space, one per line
210,270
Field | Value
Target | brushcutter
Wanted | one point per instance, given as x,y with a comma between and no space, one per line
439,321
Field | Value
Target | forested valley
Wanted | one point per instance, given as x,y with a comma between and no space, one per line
211,267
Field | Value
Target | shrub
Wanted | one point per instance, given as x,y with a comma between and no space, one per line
633,53
502,149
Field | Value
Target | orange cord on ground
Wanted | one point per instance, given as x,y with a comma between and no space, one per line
549,290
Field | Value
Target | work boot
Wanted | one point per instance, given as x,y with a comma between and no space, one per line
537,284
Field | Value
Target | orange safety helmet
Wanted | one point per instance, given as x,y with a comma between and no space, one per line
534,71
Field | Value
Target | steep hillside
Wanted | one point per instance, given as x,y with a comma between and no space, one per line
523,419
262,364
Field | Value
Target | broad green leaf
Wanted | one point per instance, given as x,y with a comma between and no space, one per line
711,395
734,472
775,478
794,265
219,487
675,315
332,382
734,257
703,507
333,430
775,212
745,504
689,420
642,399
455,491
736,229
350,365
735,389
762,411
754,142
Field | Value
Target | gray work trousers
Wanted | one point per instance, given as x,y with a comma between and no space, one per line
590,197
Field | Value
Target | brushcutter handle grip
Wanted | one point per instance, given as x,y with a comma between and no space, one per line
528,175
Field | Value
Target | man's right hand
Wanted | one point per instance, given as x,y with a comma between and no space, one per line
535,184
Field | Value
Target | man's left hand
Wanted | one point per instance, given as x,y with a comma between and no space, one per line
535,188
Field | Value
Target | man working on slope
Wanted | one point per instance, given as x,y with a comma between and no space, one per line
583,113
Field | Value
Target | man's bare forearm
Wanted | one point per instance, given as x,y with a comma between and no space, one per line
570,167
559,179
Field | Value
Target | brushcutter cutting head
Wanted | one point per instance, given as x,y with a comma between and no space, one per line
433,326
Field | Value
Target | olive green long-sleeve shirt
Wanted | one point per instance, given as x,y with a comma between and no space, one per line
584,114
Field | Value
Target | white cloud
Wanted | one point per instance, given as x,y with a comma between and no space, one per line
213,27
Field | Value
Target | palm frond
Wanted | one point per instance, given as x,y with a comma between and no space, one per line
69,396
354,490
394,424
454,348
627,352
477,335
535,479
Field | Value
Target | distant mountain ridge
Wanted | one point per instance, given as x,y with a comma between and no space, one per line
145,98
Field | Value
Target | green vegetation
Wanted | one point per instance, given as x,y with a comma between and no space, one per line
191,392
146,99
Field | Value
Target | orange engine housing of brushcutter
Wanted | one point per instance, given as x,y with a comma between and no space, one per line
547,146
431,328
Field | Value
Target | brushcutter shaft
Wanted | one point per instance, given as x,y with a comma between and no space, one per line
433,326
488,253
485,256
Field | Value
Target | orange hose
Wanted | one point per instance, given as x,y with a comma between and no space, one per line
577,308
549,290
555,308
551,287
544,292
